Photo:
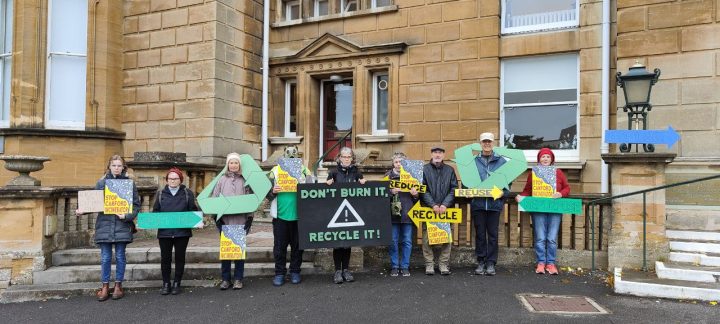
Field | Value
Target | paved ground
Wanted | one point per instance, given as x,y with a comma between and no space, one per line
373,298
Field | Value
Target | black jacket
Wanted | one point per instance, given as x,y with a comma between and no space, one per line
184,200
343,174
441,184
110,228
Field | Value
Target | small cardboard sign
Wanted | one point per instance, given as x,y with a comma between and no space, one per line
233,244
91,201
439,233
544,182
118,196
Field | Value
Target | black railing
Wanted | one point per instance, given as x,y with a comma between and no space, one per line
644,211
342,140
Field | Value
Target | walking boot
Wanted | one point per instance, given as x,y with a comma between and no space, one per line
237,284
347,275
176,289
224,285
118,291
103,294
338,278
480,270
444,270
429,270
165,289
490,269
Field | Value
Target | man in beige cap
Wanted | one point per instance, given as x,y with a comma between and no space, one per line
441,184
486,211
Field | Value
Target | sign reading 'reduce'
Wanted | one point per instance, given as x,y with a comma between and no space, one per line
343,215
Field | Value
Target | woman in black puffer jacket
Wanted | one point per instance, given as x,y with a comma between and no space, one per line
346,171
175,197
114,230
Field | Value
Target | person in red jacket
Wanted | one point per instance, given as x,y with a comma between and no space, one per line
546,225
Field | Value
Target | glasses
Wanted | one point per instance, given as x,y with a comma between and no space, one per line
345,157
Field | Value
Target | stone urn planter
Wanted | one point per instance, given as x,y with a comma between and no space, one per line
24,164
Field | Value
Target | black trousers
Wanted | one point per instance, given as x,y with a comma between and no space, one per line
341,256
486,234
166,247
286,233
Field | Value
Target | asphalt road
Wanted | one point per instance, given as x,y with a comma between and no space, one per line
373,298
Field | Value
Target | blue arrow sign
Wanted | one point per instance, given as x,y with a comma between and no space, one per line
668,136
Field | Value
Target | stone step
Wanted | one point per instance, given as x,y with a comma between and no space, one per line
688,272
695,258
151,271
691,218
700,236
23,293
91,256
696,247
645,284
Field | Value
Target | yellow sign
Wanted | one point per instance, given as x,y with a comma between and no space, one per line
540,188
286,182
437,235
426,214
113,204
229,250
404,186
495,193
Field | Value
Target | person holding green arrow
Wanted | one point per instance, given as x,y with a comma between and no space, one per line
174,197
546,225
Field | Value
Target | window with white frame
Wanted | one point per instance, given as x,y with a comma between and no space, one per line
67,64
348,5
292,10
290,108
6,12
380,3
540,104
380,103
522,16
321,8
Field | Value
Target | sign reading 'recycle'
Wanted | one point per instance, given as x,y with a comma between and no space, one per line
343,215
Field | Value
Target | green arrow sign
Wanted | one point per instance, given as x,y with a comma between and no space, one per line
187,219
552,205
514,166
255,177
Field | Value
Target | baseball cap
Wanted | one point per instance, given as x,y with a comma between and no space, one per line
487,136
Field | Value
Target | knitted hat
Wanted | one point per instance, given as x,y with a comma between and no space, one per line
176,171
232,156
546,150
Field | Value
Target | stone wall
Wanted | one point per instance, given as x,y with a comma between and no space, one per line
192,77
681,38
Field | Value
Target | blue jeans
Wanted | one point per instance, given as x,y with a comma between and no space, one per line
546,226
106,261
404,230
239,269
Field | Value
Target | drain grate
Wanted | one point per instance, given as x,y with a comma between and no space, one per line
560,304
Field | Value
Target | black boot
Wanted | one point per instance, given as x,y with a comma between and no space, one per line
176,288
165,288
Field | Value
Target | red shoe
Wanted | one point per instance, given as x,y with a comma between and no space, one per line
540,269
551,269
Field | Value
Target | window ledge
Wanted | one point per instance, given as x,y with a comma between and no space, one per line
358,13
280,140
387,138
95,133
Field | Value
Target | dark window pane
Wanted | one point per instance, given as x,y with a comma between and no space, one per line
535,127
382,102
525,97
293,107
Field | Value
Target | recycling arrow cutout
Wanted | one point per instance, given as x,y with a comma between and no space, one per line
426,214
187,219
255,178
514,166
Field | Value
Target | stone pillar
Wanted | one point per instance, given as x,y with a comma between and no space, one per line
632,172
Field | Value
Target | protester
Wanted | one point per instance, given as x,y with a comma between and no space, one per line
441,184
232,183
486,211
283,209
114,230
174,197
401,224
345,172
546,225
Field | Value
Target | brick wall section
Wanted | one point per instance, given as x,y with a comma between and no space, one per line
192,79
681,38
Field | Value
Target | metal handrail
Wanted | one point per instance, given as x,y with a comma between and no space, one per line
644,216
316,165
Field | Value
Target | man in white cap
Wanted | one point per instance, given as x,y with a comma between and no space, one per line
441,184
486,211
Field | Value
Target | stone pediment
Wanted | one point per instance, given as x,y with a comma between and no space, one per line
329,46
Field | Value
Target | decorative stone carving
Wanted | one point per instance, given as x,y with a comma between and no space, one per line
24,164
